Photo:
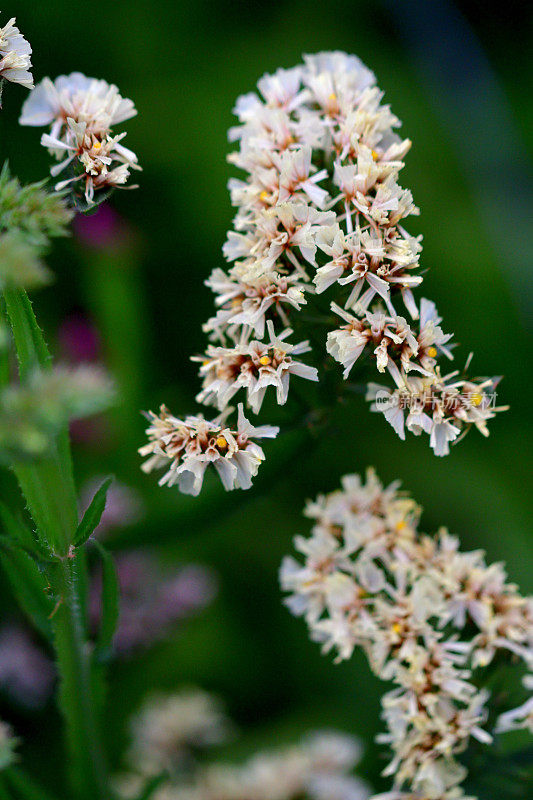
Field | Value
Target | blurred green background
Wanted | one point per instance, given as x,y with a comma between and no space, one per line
460,78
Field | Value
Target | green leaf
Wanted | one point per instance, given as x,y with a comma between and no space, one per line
20,533
110,604
91,518
151,785
28,583
49,486
48,498
23,786
31,347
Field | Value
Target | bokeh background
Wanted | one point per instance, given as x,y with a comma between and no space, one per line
459,76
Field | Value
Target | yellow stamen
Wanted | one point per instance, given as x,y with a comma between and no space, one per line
396,627
401,525
375,155
432,352
332,97
235,302
265,361
263,196
97,145
221,442
476,399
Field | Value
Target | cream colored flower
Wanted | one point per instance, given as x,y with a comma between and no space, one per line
15,56
187,447
254,366
81,112
426,615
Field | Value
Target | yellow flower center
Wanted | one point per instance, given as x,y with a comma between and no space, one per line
332,97
221,442
396,627
375,155
476,399
265,361
97,145
263,196
432,352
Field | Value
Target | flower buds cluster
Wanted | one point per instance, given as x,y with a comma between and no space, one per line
426,615
81,113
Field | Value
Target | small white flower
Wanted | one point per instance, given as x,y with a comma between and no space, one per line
254,366
15,56
167,726
439,406
81,112
185,448
74,96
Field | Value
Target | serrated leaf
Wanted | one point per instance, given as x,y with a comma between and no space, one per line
48,487
30,345
20,533
93,515
28,584
110,604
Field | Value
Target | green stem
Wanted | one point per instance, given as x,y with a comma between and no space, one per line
47,485
49,489
76,697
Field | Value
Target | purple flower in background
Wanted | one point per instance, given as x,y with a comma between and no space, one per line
79,339
26,674
101,230
79,342
152,599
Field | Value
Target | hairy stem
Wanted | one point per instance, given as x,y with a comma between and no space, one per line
49,490
76,696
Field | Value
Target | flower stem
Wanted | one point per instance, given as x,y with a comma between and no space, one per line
76,697
49,491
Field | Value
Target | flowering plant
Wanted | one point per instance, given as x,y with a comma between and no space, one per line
321,286
430,618
321,211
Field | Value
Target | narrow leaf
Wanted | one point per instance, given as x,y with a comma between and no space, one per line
151,785
31,347
54,512
28,584
93,515
110,604
19,532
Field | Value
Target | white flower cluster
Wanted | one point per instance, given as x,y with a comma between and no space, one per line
15,56
185,448
168,726
81,113
321,207
8,743
426,615
254,366
317,769
168,729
